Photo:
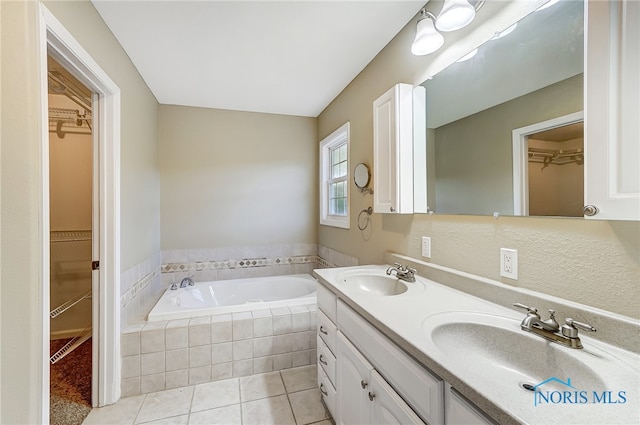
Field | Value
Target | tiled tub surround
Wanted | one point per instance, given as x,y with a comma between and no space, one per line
178,353
141,287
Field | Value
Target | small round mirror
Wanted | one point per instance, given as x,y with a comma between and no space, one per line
361,176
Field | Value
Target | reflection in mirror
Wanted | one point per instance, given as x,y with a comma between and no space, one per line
531,75
556,173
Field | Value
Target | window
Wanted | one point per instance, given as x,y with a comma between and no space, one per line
334,178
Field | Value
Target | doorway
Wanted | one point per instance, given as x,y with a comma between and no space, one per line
72,248
56,41
548,172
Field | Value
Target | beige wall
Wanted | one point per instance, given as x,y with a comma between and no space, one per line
588,261
236,178
20,293
474,160
140,178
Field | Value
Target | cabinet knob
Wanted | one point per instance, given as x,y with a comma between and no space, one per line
392,209
590,210
363,384
322,331
371,396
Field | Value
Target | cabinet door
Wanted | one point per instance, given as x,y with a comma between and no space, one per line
393,151
612,108
459,411
387,407
352,384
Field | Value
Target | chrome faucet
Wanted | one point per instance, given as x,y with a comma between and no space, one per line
550,329
405,273
186,281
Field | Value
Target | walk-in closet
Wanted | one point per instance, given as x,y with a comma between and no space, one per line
71,245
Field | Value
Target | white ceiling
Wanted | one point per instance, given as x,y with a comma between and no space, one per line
282,57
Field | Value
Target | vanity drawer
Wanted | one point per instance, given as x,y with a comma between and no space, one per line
328,391
326,302
327,331
422,390
327,361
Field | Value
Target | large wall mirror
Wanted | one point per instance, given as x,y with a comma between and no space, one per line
514,106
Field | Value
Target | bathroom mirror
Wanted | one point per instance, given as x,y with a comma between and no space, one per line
361,177
529,74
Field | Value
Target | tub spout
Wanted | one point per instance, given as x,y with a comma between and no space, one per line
186,281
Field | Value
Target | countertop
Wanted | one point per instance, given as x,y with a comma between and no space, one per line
402,317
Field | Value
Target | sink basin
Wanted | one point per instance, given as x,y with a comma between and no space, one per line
496,349
374,284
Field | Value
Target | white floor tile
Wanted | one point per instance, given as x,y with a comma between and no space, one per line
268,411
264,385
228,415
216,394
307,407
122,412
300,378
175,420
165,404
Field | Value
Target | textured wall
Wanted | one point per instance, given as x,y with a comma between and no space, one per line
591,262
236,178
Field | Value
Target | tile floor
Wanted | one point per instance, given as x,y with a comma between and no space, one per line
289,396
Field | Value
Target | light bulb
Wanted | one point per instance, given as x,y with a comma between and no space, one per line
455,14
428,39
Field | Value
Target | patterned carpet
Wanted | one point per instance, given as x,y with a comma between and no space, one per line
70,385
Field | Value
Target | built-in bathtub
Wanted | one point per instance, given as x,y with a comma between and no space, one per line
234,296
187,342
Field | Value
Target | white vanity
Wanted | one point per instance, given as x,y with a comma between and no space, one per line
396,352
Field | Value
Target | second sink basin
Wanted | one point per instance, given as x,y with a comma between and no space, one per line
495,347
374,284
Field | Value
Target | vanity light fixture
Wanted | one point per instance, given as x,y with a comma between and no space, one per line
455,14
428,39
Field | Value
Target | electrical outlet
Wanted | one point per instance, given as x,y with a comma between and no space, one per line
509,263
426,247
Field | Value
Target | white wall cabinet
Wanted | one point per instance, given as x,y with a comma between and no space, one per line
393,151
612,108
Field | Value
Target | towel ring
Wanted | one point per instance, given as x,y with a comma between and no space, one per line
369,211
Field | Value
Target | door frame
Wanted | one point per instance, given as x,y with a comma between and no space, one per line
521,157
54,39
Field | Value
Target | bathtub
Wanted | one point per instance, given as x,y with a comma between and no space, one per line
233,296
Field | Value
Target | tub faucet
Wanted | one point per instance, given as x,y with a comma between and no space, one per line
405,273
186,281
551,330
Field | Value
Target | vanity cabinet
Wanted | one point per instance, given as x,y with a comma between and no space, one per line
460,411
612,108
326,347
393,151
365,397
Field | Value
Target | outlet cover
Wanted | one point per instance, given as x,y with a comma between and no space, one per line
426,247
509,263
